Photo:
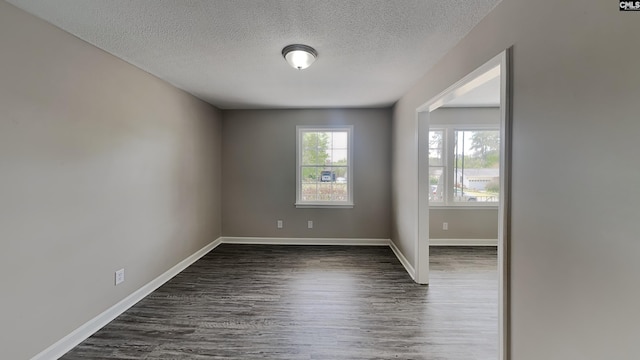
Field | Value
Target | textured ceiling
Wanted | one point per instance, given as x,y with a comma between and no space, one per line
228,52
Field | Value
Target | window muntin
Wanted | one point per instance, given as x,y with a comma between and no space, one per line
324,176
468,173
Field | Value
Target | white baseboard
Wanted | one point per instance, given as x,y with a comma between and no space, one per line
70,341
463,242
304,241
403,260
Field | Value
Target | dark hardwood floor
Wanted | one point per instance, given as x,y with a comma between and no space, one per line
311,302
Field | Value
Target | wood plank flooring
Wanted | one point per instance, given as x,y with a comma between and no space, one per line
311,302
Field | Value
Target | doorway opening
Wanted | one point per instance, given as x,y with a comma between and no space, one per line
464,142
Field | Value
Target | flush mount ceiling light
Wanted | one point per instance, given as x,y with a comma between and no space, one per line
299,56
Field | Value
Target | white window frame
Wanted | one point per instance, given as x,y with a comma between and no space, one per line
300,130
448,161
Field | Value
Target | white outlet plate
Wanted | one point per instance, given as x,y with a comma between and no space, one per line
119,276
310,224
280,224
445,226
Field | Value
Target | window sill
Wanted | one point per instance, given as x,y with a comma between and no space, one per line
323,206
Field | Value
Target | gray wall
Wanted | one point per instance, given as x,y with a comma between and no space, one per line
465,116
464,223
102,166
259,175
574,246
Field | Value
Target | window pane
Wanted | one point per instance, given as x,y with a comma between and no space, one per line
309,186
436,184
340,190
324,191
340,139
477,165
309,191
340,174
315,146
338,157
436,143
310,174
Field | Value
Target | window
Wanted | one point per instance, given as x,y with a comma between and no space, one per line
324,162
464,166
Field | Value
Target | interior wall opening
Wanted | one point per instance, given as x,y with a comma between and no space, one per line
463,189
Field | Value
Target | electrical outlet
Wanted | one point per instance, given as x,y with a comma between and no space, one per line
119,276
310,224
445,226
280,224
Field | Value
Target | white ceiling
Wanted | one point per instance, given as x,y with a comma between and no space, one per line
228,52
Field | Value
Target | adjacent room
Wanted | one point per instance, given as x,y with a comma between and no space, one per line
241,179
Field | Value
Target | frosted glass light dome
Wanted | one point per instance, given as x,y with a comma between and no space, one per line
299,56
